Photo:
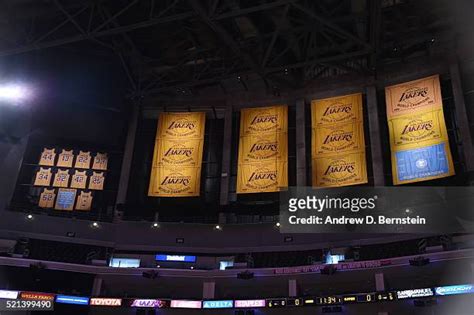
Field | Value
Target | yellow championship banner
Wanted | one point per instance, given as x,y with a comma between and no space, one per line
337,110
255,121
337,142
330,139
186,125
177,157
341,170
263,150
186,152
408,131
418,136
262,177
264,147
175,182
410,97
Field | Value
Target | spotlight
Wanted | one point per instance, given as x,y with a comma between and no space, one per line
30,217
95,225
13,92
278,224
192,267
218,227
155,225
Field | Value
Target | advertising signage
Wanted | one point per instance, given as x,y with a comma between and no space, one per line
149,303
249,303
455,289
7,294
415,293
69,299
37,296
218,304
105,302
185,304
175,258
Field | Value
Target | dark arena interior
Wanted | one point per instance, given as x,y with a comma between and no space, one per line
237,157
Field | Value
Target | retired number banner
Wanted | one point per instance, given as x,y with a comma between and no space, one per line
263,150
338,145
418,136
177,158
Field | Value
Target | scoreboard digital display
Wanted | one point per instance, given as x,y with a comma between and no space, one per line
328,300
294,302
368,297
385,296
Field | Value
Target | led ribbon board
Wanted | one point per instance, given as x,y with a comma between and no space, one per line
175,258
69,299
218,304
455,289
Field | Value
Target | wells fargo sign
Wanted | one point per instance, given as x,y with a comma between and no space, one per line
177,158
418,136
263,150
338,145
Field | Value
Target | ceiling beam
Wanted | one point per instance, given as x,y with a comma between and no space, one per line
82,37
331,25
225,37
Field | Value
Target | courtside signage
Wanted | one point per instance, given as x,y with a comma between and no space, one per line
175,258
249,303
106,302
455,289
7,294
218,304
69,299
416,293
185,304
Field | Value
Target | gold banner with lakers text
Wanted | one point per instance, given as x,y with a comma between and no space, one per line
256,121
340,170
337,110
418,137
268,176
414,96
263,150
409,131
177,157
331,139
175,182
338,142
263,147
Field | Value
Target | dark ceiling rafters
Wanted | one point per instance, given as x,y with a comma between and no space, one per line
171,46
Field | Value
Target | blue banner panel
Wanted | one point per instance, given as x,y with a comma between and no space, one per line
455,289
175,258
68,299
422,162
218,304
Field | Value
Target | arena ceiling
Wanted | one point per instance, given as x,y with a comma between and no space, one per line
184,47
